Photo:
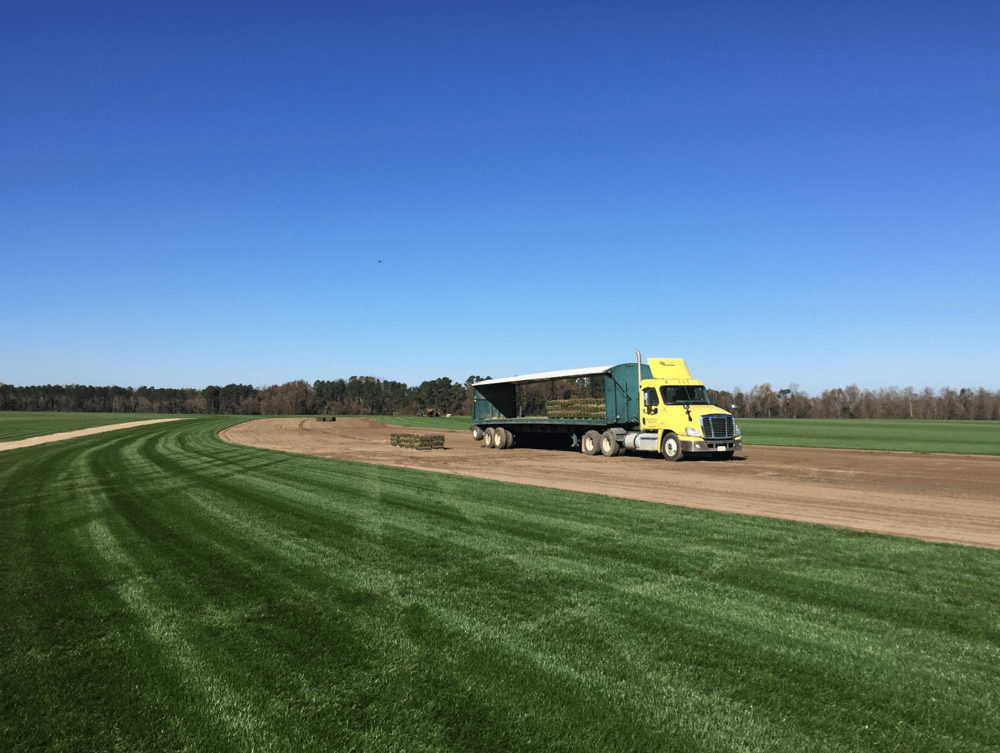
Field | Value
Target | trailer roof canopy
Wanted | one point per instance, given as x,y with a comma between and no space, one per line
549,376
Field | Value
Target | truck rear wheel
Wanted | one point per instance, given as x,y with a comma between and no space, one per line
609,444
591,444
671,447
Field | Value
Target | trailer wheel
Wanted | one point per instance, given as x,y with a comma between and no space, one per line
671,447
609,444
488,437
502,438
591,444
477,433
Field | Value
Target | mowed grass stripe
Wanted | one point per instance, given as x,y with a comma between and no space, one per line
241,558
168,590
137,549
15,425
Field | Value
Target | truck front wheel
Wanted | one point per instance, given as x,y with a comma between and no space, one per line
671,447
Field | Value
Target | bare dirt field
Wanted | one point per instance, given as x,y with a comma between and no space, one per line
954,498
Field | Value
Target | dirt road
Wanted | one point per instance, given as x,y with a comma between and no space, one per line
953,498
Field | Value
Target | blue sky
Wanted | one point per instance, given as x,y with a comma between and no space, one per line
257,192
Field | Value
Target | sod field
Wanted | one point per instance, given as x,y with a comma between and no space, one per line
164,590
963,437
455,423
22,425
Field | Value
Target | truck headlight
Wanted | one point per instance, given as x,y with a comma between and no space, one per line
736,430
692,432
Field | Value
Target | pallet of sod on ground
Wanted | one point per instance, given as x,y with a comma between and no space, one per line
326,418
580,407
418,441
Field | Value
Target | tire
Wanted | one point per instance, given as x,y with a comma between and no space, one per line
477,433
609,444
591,443
502,439
488,437
671,447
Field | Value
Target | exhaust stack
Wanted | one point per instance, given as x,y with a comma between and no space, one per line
638,366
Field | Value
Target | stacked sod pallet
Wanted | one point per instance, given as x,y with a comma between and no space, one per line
326,418
577,407
418,441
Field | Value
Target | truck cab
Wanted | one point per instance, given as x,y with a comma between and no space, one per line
677,408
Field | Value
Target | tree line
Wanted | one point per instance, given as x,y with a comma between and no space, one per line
367,395
852,402
355,396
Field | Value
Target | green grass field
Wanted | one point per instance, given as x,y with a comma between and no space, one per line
458,423
22,425
164,590
964,437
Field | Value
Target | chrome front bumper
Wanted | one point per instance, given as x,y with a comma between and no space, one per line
711,445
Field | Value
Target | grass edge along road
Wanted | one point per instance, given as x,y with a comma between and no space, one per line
166,590
15,425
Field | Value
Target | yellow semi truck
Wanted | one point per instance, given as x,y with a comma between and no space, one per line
652,407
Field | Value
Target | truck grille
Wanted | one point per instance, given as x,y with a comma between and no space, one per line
718,426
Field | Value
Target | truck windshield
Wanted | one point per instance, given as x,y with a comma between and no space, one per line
686,395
